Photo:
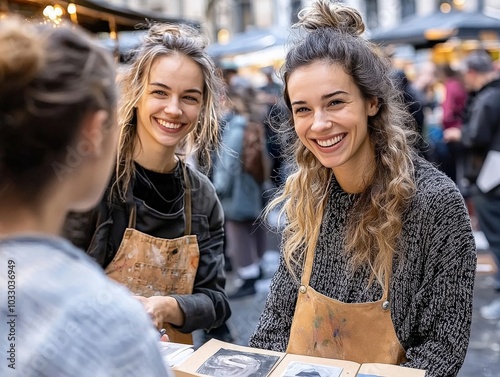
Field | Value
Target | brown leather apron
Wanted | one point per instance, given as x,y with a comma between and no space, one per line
151,266
325,327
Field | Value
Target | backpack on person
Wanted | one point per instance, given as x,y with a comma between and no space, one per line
254,152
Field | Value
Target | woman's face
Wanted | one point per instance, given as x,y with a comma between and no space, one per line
331,115
171,104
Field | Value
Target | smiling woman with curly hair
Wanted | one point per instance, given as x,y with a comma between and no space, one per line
378,256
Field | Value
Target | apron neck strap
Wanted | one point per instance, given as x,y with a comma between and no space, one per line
132,217
133,210
310,249
387,278
187,203
187,199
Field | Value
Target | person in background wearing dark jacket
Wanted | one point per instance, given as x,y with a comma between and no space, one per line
480,136
60,315
159,228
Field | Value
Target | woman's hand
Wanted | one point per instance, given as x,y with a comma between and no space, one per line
163,336
162,309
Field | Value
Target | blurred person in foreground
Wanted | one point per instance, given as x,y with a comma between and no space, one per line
480,138
58,136
159,227
378,257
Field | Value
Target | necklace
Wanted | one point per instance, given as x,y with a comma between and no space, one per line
141,172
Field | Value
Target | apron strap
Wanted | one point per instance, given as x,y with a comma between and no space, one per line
306,273
310,249
187,199
387,278
385,296
132,217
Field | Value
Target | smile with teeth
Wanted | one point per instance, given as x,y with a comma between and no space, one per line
332,141
172,126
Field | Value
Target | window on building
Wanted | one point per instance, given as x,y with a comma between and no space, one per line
246,14
295,6
372,14
407,8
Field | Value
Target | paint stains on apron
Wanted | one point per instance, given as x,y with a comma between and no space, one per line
152,266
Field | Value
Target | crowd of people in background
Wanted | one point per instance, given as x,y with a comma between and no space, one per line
457,113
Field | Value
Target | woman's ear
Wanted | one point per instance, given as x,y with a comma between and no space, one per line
93,132
373,106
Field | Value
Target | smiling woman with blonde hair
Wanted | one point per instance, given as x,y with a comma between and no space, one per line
378,257
159,228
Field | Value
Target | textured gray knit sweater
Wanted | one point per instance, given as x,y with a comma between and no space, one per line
431,288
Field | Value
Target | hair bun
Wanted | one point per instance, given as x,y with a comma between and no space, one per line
329,14
167,34
21,54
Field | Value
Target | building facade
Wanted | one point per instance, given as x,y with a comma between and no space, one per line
223,18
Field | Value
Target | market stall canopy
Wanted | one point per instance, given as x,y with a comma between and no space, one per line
125,42
96,16
426,31
249,41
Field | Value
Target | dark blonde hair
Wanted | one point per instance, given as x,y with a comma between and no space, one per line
50,80
167,40
333,34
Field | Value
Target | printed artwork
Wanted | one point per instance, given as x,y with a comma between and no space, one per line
296,368
231,363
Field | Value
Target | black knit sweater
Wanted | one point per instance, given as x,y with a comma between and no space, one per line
431,288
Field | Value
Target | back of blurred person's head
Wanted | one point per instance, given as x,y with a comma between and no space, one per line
445,71
479,61
246,101
477,69
426,76
242,99
57,112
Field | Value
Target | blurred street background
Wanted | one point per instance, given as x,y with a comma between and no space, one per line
248,39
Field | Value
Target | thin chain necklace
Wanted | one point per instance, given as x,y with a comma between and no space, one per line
145,177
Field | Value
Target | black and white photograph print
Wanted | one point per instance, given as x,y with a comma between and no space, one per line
296,368
232,363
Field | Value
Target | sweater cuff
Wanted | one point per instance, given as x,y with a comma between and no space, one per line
198,310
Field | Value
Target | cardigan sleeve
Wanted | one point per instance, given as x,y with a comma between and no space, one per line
443,303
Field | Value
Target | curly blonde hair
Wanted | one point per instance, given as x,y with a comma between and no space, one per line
333,34
166,40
